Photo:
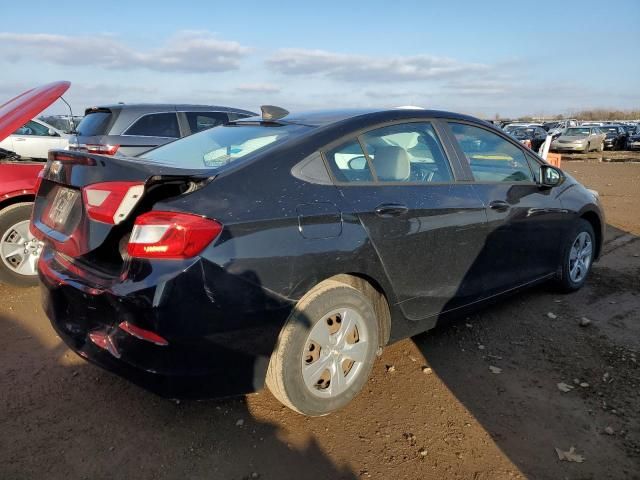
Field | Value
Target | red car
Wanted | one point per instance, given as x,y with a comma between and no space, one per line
19,250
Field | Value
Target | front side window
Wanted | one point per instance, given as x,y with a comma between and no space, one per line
156,125
32,128
407,152
199,121
491,157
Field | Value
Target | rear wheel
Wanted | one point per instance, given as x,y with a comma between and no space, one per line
19,250
325,351
577,257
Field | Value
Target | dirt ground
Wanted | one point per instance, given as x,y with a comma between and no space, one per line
63,418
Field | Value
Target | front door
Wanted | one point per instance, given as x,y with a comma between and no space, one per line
525,222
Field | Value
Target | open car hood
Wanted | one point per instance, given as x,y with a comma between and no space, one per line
19,110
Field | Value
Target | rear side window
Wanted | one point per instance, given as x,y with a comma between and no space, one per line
407,152
94,123
237,116
348,163
491,157
156,125
199,121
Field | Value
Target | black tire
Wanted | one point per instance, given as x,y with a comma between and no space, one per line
284,376
563,281
10,216
587,149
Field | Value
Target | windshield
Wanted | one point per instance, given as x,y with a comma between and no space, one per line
222,145
576,132
609,129
523,131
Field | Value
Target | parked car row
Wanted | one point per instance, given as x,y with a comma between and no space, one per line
573,136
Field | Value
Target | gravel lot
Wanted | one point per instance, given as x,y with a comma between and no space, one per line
477,398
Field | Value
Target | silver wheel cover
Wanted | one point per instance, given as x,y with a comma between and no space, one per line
335,353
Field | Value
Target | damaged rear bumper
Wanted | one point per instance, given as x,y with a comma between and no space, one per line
220,329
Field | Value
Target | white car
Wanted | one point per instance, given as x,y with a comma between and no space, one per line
34,140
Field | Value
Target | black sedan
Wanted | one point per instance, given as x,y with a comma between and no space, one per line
532,137
291,248
616,137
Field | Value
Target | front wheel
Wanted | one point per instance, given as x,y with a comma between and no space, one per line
325,351
577,257
19,250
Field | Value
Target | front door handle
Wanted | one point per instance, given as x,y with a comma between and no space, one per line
391,210
499,205
19,139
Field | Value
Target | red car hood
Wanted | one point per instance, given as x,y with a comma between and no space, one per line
19,110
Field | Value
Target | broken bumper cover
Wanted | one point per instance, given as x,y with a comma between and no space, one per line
214,346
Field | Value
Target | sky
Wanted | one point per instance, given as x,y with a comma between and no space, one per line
478,57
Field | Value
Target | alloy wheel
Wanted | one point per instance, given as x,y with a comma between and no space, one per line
580,257
19,250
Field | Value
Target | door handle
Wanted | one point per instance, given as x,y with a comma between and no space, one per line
499,205
19,139
391,210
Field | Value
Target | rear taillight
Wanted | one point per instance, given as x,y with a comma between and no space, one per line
102,149
111,202
171,235
38,181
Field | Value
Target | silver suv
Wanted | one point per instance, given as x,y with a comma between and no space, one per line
132,129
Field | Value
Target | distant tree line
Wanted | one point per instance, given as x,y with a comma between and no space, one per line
595,114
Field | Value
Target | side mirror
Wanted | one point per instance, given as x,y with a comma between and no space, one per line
549,176
357,163
52,133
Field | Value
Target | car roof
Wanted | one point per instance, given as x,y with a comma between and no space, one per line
320,118
169,107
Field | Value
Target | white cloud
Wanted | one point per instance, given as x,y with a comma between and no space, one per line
364,68
186,51
257,88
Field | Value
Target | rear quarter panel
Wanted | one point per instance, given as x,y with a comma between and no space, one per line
18,178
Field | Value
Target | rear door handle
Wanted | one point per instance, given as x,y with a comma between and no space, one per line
499,205
391,210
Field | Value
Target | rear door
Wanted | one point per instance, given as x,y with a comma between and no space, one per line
525,221
199,121
426,228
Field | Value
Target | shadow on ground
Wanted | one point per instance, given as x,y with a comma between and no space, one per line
535,340
73,420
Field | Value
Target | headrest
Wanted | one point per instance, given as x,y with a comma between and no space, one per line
392,163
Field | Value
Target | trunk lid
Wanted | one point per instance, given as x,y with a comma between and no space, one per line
87,202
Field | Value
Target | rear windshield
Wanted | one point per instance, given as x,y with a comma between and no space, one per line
222,145
94,123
